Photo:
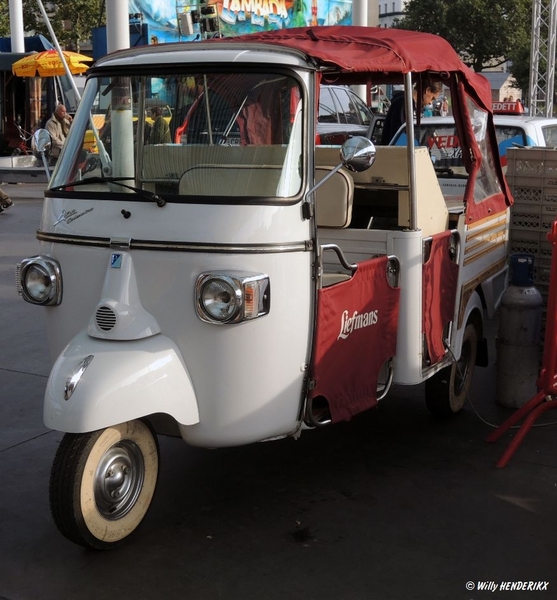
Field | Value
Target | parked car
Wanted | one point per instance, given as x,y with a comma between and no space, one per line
512,129
438,134
342,114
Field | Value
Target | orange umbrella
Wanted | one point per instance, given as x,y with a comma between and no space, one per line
49,64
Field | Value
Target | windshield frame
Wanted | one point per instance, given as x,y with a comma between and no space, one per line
62,173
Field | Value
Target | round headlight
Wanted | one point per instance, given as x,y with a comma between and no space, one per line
221,299
38,283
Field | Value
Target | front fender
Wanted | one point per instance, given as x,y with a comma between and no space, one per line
124,380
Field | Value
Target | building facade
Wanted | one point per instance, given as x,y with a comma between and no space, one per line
389,11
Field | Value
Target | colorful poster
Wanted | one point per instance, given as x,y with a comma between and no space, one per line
234,17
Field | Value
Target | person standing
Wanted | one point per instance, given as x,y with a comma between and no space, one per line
444,107
160,134
58,126
396,115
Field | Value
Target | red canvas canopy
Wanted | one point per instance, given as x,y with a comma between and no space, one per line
351,50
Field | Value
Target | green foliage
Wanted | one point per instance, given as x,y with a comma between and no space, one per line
71,20
4,19
520,59
484,32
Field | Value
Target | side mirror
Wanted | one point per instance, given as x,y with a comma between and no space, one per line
357,154
41,143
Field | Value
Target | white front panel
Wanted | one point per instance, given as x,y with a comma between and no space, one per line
248,377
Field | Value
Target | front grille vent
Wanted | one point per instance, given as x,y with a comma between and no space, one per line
105,318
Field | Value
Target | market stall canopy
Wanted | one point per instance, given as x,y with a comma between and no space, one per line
49,64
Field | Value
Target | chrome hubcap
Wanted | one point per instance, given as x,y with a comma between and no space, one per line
119,479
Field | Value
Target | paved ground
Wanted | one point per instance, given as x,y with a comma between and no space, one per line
393,505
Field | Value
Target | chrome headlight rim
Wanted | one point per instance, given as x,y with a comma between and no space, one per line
235,292
251,293
49,269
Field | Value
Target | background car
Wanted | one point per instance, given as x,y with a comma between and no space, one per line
439,135
343,114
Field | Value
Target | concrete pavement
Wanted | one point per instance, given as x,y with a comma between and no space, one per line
392,505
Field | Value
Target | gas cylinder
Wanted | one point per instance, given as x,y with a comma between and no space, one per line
519,335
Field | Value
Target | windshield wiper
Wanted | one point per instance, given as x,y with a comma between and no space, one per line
151,196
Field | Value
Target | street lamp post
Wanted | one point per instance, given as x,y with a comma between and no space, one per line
117,25
16,26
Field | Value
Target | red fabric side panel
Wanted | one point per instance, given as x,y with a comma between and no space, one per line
498,202
357,323
439,281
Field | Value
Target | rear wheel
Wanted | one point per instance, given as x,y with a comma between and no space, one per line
102,483
447,390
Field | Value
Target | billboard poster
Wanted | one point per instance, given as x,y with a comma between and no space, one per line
237,17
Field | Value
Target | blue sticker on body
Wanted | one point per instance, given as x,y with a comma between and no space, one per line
116,261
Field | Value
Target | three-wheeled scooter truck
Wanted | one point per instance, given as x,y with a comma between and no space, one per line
242,284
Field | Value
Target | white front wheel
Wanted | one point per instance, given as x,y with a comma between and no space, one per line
102,483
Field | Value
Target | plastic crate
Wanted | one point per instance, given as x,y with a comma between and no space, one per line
540,194
533,163
542,275
550,196
527,195
532,177
543,262
531,242
533,216
526,162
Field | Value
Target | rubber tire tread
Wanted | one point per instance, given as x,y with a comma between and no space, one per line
65,489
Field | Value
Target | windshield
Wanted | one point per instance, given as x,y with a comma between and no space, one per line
208,135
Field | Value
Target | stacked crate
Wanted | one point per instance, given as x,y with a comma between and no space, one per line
532,177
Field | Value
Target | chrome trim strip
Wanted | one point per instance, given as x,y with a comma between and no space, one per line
72,239
175,246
